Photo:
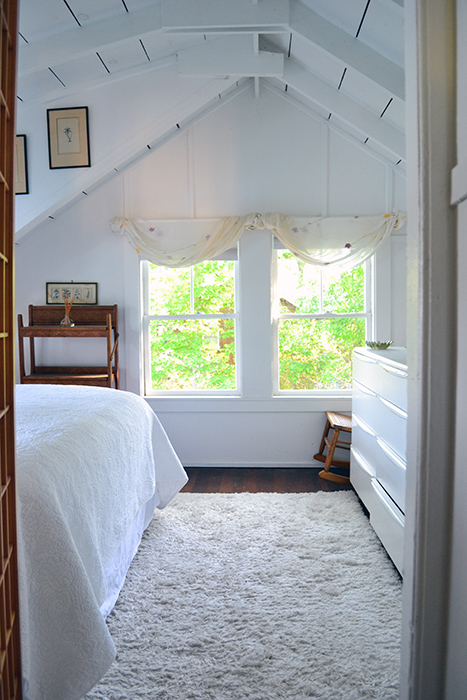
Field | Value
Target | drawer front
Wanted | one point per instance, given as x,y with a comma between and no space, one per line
386,419
387,466
364,441
391,473
388,523
387,381
361,475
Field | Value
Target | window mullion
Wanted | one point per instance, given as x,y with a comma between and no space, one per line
188,317
255,256
327,315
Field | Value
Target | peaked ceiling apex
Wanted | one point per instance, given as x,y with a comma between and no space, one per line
206,16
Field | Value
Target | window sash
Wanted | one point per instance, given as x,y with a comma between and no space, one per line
368,315
146,338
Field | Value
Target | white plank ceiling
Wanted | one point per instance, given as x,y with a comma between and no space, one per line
341,59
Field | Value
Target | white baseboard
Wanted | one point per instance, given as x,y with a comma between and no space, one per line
249,465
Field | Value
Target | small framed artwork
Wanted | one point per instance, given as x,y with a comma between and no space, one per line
21,165
68,131
83,292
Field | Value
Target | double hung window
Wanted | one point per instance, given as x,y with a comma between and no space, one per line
189,327
322,315
195,336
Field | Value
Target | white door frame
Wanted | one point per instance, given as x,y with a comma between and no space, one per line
431,343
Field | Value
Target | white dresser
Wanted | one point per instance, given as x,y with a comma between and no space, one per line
379,434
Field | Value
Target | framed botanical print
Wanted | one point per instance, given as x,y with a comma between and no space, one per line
68,131
80,292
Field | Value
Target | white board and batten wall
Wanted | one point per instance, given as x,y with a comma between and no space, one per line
250,154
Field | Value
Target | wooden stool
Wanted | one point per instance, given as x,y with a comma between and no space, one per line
336,422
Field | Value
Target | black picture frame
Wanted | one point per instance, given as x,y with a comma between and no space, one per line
68,136
21,165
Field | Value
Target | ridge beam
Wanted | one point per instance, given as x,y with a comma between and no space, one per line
204,16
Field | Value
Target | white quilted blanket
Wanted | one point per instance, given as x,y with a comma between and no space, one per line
87,459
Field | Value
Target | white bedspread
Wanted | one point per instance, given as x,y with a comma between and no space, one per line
87,459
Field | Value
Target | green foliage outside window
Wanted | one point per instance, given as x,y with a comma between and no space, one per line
316,353
198,353
192,354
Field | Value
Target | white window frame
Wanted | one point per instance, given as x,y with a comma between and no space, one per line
147,317
368,315
256,327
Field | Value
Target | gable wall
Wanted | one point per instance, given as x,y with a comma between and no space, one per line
249,155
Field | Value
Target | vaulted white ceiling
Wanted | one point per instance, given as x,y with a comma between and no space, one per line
342,59
339,60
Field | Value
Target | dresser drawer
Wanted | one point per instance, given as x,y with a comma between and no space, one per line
382,462
387,420
391,473
388,523
361,475
384,378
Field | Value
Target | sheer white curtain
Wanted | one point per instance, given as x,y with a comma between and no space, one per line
346,241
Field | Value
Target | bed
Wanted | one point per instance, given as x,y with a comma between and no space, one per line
92,465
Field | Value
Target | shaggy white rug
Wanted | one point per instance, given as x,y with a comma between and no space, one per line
257,597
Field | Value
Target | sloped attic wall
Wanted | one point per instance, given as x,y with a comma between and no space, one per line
252,154
125,115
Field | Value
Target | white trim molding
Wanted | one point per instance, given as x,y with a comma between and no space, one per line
431,344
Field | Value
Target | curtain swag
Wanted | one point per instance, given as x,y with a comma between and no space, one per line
346,241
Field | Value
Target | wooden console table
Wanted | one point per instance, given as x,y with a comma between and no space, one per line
90,322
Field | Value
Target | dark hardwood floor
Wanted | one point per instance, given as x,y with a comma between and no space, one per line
230,480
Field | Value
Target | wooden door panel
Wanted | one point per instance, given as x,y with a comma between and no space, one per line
10,658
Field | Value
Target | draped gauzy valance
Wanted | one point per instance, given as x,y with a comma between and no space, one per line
346,241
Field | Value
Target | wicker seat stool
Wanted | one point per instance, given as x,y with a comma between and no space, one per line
337,423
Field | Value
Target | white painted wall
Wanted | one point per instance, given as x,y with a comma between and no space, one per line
248,155
125,116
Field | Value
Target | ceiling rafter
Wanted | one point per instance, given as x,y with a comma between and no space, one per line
351,51
308,109
348,110
83,41
96,37
106,79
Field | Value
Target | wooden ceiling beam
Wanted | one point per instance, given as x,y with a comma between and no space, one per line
182,16
349,111
82,41
351,51
232,56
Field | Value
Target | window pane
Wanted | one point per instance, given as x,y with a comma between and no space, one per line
344,292
169,290
317,353
190,355
214,287
298,285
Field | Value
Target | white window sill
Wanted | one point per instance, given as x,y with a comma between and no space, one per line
330,401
